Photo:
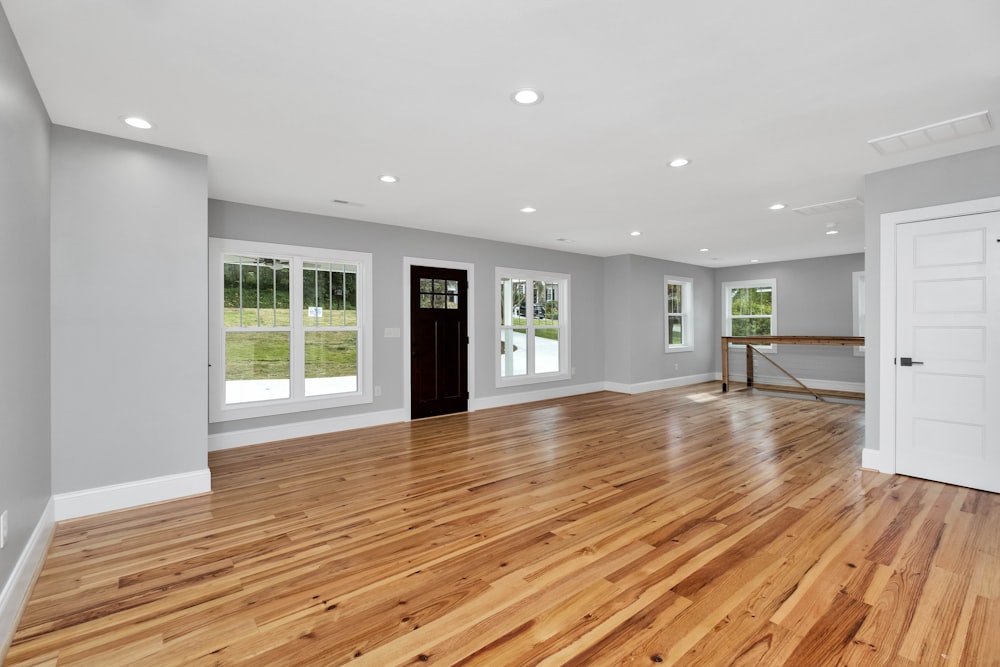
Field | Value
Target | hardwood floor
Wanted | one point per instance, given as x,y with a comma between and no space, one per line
683,527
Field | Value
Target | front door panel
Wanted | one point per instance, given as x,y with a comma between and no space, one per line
439,376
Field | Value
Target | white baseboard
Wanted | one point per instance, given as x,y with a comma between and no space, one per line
871,459
257,436
14,594
504,400
834,385
657,385
131,494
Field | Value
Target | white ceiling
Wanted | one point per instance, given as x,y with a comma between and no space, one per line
300,102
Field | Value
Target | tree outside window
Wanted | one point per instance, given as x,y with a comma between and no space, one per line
750,308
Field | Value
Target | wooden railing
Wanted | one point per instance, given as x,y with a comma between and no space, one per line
749,342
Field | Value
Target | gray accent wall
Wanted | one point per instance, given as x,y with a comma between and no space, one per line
616,303
963,177
389,245
814,299
129,311
634,327
25,450
617,309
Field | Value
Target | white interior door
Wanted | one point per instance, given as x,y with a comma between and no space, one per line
948,350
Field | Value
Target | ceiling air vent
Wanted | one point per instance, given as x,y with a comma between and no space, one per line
344,202
830,206
933,134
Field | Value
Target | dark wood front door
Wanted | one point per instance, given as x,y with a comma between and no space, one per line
439,341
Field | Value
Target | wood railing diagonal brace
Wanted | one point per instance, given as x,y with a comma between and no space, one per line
776,365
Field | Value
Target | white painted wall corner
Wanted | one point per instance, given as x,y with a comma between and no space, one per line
14,595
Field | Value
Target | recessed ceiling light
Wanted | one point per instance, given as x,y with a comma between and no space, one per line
527,96
831,232
635,233
702,249
528,209
679,162
754,261
777,207
388,178
138,123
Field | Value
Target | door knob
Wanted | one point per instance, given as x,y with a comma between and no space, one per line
908,361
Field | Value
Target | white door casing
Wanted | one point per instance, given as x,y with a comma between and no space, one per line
880,438
947,407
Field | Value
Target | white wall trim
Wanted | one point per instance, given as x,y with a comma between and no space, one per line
738,380
470,298
15,592
888,223
657,385
257,436
871,459
131,494
518,398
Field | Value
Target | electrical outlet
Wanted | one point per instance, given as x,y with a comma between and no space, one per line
677,367
378,390
3,529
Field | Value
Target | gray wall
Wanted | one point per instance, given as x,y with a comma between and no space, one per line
617,309
129,311
814,299
634,326
972,175
388,245
25,481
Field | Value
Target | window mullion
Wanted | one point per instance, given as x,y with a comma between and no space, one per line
529,325
297,343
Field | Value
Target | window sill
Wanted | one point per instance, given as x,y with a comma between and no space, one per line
519,380
285,406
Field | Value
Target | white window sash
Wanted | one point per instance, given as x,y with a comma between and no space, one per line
297,401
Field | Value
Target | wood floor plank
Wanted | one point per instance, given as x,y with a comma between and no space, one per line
681,527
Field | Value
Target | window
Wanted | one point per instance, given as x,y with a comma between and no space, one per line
532,327
290,329
435,293
750,308
678,301
858,280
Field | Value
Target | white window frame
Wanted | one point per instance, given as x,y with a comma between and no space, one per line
727,308
858,308
218,248
564,372
686,314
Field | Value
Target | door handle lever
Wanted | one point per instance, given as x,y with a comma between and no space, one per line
907,361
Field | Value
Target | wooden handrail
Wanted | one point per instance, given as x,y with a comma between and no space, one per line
749,341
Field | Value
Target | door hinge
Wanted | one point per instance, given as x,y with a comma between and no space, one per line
466,395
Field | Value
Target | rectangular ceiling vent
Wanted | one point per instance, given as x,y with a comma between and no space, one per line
933,134
830,206
344,202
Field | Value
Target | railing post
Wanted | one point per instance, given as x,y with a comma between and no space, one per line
725,364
